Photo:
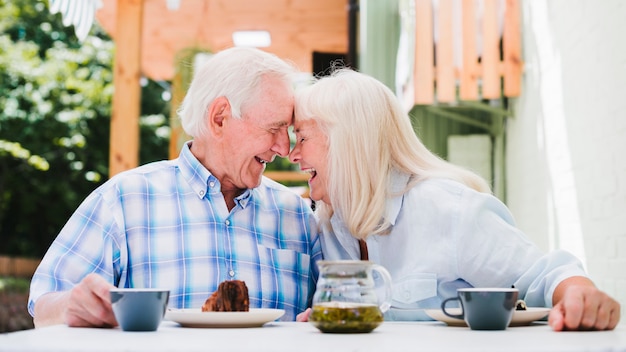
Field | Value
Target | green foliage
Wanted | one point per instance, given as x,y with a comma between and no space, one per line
55,108
14,284
30,20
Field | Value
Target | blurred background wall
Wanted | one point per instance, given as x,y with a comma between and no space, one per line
566,144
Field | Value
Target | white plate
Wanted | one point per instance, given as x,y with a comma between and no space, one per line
196,318
520,317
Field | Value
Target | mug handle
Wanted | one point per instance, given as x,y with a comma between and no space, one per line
457,316
386,302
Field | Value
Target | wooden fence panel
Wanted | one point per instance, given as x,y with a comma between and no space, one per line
490,57
446,84
469,70
17,266
424,62
512,47
482,67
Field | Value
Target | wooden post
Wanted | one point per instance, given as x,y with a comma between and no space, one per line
124,141
178,94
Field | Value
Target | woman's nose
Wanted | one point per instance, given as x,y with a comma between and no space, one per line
294,155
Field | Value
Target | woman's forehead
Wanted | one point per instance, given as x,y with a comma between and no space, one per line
304,125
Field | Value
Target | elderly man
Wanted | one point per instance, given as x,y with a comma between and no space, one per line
190,223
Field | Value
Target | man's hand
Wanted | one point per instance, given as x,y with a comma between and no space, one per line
88,304
581,306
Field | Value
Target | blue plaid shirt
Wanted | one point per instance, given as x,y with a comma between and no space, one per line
166,225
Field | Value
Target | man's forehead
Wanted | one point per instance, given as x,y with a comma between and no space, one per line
274,124
270,120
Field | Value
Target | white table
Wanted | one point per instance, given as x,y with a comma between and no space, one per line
276,336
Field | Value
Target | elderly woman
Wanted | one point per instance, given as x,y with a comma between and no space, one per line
382,195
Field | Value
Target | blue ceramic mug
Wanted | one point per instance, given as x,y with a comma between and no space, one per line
484,308
139,309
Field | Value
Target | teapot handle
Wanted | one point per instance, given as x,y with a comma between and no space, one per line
386,301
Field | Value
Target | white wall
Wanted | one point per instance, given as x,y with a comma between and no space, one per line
566,145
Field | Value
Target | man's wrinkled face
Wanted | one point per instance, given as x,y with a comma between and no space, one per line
254,140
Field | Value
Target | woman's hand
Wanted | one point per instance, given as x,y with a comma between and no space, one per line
304,316
581,306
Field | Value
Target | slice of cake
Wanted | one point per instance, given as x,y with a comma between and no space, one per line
231,296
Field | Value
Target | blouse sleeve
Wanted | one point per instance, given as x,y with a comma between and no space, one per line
492,252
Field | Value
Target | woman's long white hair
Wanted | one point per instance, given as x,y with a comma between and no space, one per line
369,136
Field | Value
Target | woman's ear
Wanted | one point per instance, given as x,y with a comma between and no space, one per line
218,110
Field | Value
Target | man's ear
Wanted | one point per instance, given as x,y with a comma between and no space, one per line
218,111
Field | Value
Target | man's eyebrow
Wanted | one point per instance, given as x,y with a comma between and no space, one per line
280,124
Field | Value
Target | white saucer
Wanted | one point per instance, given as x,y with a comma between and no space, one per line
196,318
520,317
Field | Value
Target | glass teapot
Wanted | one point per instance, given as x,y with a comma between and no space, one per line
351,296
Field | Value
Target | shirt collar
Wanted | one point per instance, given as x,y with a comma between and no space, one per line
243,199
200,178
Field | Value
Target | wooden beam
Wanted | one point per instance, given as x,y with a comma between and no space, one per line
124,140
297,27
459,117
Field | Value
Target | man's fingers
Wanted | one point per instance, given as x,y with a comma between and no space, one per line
99,286
90,303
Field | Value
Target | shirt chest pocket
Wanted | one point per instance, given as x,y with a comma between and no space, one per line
414,288
284,279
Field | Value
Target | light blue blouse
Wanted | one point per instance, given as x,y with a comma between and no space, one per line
447,236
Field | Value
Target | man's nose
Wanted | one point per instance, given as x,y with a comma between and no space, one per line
281,147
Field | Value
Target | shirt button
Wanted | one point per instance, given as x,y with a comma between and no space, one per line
211,184
227,222
201,193
231,273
